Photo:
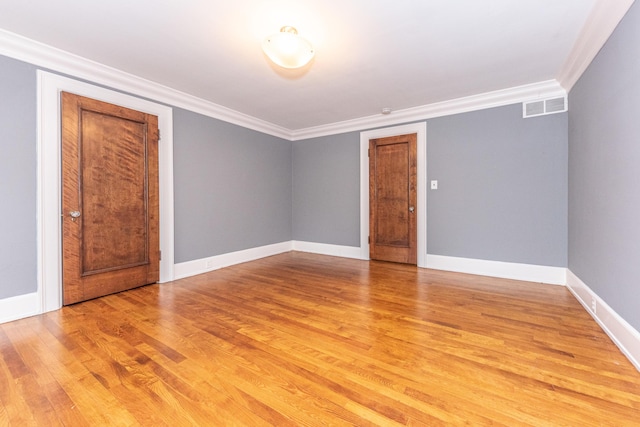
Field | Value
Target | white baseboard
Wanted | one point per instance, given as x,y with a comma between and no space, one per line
19,307
505,270
203,265
29,305
622,334
199,266
326,249
625,336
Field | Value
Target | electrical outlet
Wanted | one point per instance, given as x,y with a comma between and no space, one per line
593,305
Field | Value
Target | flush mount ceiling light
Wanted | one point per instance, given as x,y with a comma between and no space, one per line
287,49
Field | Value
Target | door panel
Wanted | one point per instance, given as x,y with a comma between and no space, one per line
110,179
392,198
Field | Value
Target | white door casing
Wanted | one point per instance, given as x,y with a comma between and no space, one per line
49,234
421,130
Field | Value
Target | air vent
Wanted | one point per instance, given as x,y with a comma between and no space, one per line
534,109
544,107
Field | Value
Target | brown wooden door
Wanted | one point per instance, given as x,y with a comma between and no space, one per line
392,199
110,186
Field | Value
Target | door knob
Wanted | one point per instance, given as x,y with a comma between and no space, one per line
411,209
74,215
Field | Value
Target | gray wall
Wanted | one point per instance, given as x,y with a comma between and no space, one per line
604,172
232,187
502,193
502,186
17,178
326,190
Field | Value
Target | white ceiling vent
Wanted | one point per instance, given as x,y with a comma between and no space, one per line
544,106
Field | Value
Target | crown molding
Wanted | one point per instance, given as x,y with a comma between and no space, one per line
602,21
498,98
42,55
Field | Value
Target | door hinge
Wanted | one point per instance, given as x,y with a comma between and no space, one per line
368,152
369,239
159,255
159,138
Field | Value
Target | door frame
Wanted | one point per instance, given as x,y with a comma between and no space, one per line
420,129
49,225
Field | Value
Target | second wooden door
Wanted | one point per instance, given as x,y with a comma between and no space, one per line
392,199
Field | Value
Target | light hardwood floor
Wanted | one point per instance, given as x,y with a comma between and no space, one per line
301,339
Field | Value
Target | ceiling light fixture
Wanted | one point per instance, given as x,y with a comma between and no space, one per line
287,49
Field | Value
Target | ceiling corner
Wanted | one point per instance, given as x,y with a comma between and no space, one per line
602,21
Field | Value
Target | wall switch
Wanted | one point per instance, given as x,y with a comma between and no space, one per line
434,184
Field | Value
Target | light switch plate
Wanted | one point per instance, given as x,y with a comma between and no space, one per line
434,184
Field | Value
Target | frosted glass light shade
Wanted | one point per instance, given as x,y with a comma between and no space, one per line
287,49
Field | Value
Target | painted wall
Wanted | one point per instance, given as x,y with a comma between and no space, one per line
502,186
232,187
326,189
17,178
604,172
502,193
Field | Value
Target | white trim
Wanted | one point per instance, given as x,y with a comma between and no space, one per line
39,54
625,336
24,49
19,307
49,206
602,21
421,210
204,265
328,249
514,95
506,270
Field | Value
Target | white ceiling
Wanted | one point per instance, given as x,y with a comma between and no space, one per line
370,54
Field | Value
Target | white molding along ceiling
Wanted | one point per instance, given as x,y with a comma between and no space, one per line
220,71
540,90
39,54
602,20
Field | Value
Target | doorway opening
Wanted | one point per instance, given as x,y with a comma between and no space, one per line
420,129
392,199
49,182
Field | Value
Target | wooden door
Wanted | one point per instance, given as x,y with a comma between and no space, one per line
110,204
392,199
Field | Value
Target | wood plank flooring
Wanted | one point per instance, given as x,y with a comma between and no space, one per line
300,339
